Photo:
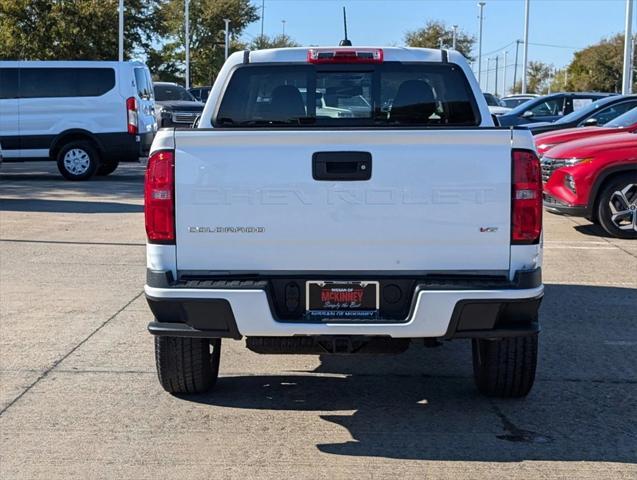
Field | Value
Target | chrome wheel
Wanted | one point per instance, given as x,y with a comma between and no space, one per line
77,161
623,208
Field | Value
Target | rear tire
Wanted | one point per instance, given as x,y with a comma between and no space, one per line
505,367
107,168
617,206
187,365
78,160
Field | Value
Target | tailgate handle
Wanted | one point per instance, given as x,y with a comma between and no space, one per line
343,166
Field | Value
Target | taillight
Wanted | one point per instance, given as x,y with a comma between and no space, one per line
345,55
526,204
159,197
131,115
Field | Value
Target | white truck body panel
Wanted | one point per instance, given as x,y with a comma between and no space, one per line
437,201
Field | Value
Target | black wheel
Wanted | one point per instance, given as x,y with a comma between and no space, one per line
187,365
78,160
107,168
617,206
505,367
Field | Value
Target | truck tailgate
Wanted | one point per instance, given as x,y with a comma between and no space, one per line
437,200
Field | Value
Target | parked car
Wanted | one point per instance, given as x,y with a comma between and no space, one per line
200,93
595,178
496,107
512,101
597,113
87,116
176,107
624,123
317,234
548,108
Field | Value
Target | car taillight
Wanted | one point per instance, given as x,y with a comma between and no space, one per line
345,55
526,203
159,197
131,115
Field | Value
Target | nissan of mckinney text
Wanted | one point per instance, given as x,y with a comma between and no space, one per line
409,217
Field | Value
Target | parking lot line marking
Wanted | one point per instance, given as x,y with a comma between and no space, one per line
70,242
68,354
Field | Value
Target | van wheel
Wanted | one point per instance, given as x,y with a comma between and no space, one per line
78,160
617,206
505,367
187,365
107,168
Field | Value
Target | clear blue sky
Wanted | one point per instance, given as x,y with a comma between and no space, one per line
564,23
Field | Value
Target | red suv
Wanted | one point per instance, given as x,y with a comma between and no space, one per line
624,123
595,178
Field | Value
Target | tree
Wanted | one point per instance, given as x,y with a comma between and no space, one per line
278,41
206,36
434,31
538,79
74,29
598,67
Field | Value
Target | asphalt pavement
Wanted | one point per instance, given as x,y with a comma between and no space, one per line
79,397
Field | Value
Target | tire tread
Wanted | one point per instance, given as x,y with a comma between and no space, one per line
505,367
186,365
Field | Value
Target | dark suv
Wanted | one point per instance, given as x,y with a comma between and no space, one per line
175,106
548,108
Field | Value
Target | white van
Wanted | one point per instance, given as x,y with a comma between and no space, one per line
87,116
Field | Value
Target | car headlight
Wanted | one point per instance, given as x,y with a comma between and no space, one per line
569,162
163,113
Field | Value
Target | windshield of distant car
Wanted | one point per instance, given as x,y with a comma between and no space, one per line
584,112
626,120
492,100
528,105
166,93
514,102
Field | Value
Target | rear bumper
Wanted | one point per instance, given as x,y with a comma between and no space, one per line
237,312
124,147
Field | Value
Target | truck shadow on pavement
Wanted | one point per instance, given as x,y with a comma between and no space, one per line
66,206
423,405
37,187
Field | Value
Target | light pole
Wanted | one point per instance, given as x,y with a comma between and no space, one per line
488,65
495,90
187,34
504,75
121,31
515,66
627,81
283,23
481,5
262,16
454,40
227,39
525,56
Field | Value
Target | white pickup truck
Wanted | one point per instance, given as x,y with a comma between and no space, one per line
415,219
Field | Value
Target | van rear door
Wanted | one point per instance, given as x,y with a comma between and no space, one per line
145,100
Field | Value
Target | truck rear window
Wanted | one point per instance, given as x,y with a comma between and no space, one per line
386,95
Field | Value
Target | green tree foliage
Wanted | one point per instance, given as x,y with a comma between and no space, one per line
434,31
598,67
206,37
538,79
278,41
74,29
